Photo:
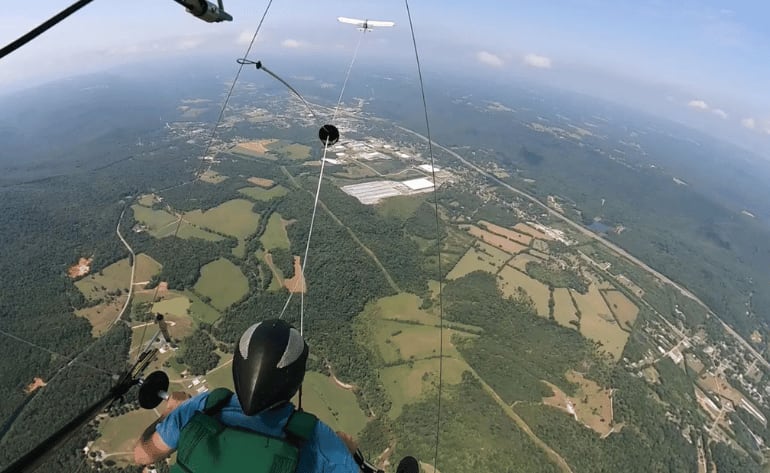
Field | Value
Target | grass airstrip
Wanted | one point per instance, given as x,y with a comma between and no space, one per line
260,193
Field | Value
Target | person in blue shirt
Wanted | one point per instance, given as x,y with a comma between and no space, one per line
268,369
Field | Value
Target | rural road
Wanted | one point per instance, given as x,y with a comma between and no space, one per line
133,270
598,238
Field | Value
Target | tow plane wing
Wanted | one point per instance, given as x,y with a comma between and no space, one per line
365,25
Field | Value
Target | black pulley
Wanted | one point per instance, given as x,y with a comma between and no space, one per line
408,465
328,134
153,390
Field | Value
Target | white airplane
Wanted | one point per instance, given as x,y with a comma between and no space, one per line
365,25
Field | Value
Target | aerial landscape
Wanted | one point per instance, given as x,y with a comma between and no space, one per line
543,280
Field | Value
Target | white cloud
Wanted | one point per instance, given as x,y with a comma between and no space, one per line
291,43
749,123
534,60
245,37
720,113
489,59
698,104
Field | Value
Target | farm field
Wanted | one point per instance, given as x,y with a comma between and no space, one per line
591,405
201,311
119,433
147,200
400,206
257,149
113,277
403,341
526,229
155,220
520,261
597,322
407,384
146,268
234,218
261,182
258,193
332,404
293,151
475,260
212,177
176,304
404,307
495,240
510,279
102,315
275,233
223,282
564,310
507,233
625,310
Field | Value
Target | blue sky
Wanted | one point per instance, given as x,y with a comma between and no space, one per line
703,62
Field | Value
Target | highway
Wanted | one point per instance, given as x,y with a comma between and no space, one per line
600,239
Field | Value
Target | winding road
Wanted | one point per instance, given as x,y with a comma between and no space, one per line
133,270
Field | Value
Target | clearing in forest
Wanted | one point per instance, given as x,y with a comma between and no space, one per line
510,280
147,200
222,282
564,310
101,316
293,151
597,322
625,310
258,193
507,233
296,284
154,220
82,268
275,235
495,240
261,182
591,405
212,177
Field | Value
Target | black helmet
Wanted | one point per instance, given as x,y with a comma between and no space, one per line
269,365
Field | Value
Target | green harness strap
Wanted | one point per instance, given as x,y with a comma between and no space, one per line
208,446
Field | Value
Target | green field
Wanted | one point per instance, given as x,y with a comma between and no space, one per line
399,341
404,306
189,231
336,406
275,234
290,150
146,268
477,260
510,280
258,193
147,200
201,311
175,305
234,218
400,207
407,384
115,276
154,219
222,375
223,282
119,434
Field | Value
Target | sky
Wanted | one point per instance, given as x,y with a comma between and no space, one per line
701,62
